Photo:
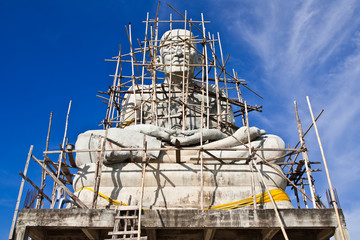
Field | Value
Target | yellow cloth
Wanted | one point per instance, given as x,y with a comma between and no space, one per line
109,199
277,194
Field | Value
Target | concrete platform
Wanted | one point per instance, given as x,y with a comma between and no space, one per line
180,224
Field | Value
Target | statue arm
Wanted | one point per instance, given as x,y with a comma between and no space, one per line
240,136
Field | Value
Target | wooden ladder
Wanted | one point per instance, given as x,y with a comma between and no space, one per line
128,218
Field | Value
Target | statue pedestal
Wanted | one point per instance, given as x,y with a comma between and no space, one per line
176,185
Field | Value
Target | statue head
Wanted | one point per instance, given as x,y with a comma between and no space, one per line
172,53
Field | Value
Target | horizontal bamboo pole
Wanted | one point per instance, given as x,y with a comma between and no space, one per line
174,148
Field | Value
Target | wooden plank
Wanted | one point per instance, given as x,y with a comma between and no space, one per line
209,234
126,217
128,208
268,234
92,234
123,232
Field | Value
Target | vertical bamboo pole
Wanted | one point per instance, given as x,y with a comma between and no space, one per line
225,82
143,70
154,35
43,173
98,169
118,86
188,79
272,201
143,172
112,94
201,136
185,82
20,194
297,197
60,157
206,72
169,80
303,189
133,72
240,98
217,86
326,170
251,162
306,157
170,21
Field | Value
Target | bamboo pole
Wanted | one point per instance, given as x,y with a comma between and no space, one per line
326,170
304,198
185,82
132,70
20,194
143,170
201,140
223,71
40,191
206,72
306,158
217,86
270,165
143,69
251,162
98,170
112,93
272,201
43,173
60,157
295,150
297,144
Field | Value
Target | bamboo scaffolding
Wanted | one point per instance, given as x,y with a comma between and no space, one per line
43,173
143,69
143,171
98,169
60,157
62,185
213,76
250,159
40,191
326,170
306,158
20,193
272,201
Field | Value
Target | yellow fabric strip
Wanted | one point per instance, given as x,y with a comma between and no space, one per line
109,199
277,195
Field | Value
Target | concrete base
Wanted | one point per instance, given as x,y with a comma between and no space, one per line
181,224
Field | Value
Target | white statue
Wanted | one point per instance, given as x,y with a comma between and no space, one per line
161,120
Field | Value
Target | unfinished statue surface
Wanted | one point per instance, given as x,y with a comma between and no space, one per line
165,120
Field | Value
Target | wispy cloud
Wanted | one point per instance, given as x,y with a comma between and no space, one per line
310,48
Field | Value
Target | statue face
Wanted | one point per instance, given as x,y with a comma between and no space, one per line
177,51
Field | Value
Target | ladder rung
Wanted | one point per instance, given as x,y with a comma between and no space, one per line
127,208
123,233
132,238
126,217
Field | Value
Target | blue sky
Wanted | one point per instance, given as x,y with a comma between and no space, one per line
53,52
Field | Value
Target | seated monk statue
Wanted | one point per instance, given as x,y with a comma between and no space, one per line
170,114
178,60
